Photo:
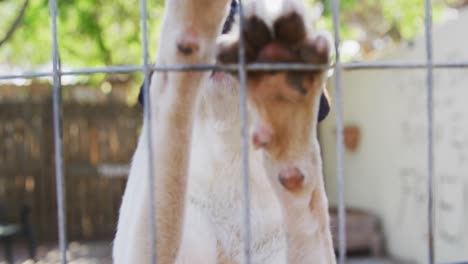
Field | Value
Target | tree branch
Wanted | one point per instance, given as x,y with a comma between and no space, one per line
15,24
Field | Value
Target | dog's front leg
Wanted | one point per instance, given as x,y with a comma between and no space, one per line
285,106
301,192
188,35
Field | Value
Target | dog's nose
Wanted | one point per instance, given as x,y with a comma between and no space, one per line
291,178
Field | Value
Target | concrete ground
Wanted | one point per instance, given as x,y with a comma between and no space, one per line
78,253
99,253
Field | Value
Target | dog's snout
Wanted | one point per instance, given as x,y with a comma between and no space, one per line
291,178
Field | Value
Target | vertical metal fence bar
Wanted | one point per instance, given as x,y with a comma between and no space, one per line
57,130
56,103
339,136
244,133
430,127
148,122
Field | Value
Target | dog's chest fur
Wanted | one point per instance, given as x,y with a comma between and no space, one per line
215,187
197,156
216,180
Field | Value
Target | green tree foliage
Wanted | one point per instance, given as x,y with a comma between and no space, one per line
90,32
376,21
107,32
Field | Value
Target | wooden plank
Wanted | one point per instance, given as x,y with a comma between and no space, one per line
107,134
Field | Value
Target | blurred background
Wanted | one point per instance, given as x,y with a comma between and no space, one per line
384,116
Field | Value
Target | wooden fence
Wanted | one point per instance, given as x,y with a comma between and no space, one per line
98,142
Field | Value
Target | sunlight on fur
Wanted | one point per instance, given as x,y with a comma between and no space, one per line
196,143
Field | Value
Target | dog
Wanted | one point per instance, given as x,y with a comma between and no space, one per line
196,142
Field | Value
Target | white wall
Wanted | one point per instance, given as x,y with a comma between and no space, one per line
387,173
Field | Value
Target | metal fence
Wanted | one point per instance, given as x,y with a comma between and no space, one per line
241,67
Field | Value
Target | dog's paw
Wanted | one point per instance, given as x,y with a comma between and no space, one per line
285,102
286,39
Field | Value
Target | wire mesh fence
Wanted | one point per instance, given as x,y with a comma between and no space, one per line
242,68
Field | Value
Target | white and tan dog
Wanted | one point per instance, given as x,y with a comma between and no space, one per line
197,144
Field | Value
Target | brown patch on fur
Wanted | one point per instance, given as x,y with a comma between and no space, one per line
314,198
283,101
291,179
286,110
186,48
188,44
318,205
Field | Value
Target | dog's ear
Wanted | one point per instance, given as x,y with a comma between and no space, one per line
140,95
141,98
324,107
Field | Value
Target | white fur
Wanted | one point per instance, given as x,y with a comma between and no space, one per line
196,144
